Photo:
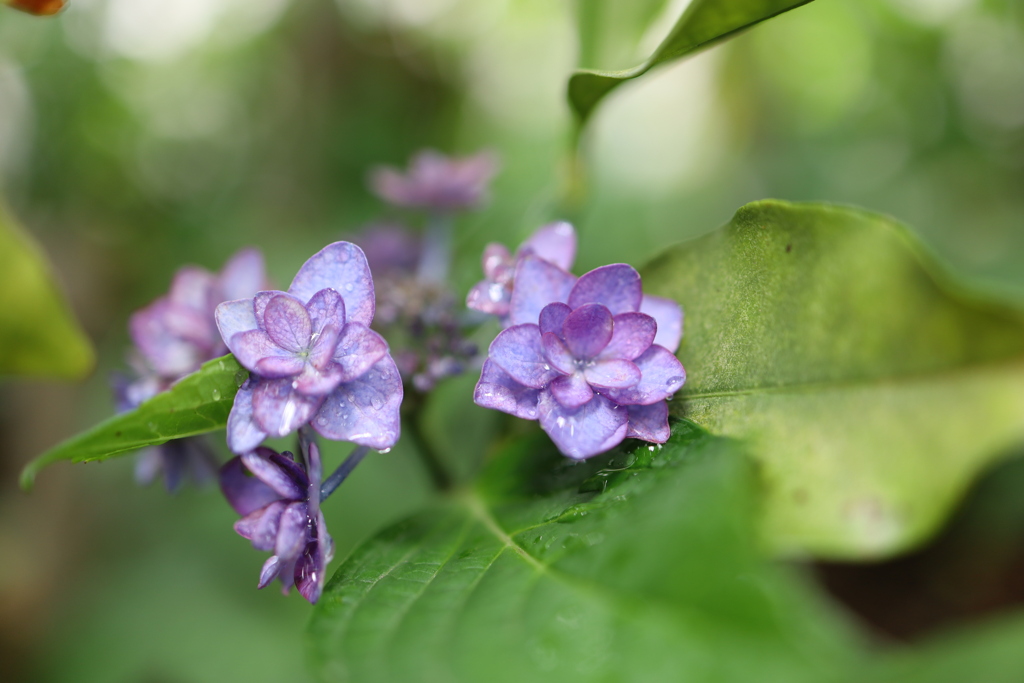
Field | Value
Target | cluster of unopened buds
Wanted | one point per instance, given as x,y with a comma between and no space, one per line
591,357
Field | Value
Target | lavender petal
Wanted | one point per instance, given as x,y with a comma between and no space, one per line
632,335
558,354
271,474
244,493
554,242
537,283
243,275
583,432
316,382
616,286
257,352
358,349
291,534
587,330
340,266
269,572
519,351
649,423
326,308
669,316
571,391
662,376
287,323
235,317
243,433
261,527
279,410
168,354
612,373
489,297
148,465
497,262
364,411
552,317
497,390
192,287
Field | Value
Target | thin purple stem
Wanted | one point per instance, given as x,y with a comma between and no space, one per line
344,469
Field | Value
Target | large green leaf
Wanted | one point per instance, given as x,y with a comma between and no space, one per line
636,566
871,388
196,404
704,23
38,334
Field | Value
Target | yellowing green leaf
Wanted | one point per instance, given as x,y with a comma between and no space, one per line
38,334
871,388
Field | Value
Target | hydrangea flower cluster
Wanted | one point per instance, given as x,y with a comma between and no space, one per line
279,501
592,359
313,357
436,182
173,337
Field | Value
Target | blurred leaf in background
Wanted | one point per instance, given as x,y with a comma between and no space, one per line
39,335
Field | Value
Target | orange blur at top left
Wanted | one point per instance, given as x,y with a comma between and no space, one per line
41,7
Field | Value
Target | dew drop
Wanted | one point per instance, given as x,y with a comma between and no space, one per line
385,451
216,394
377,402
678,379
349,287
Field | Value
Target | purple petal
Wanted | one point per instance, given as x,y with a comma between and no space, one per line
148,466
587,330
497,390
278,409
243,275
286,572
235,317
314,466
309,573
261,527
271,474
244,434
537,283
325,343
342,267
260,301
662,376
616,286
254,347
271,568
191,324
558,354
585,431
326,308
520,352
168,354
314,382
633,334
552,317
612,373
554,242
497,262
365,410
291,534
669,316
288,323
244,493
649,423
489,297
359,348
192,287
571,391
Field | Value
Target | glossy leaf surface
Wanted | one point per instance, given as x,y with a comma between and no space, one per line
38,334
871,388
703,23
198,403
635,566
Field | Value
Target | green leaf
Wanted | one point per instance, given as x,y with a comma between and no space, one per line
869,385
635,566
704,23
196,404
38,334
610,30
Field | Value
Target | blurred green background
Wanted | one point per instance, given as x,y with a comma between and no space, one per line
139,135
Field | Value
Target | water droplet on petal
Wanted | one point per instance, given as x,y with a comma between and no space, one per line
349,287
385,451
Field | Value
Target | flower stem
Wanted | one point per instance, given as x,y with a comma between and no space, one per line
437,247
344,469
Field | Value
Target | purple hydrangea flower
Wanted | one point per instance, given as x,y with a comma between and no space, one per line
554,243
313,357
590,358
280,508
176,460
176,333
436,182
